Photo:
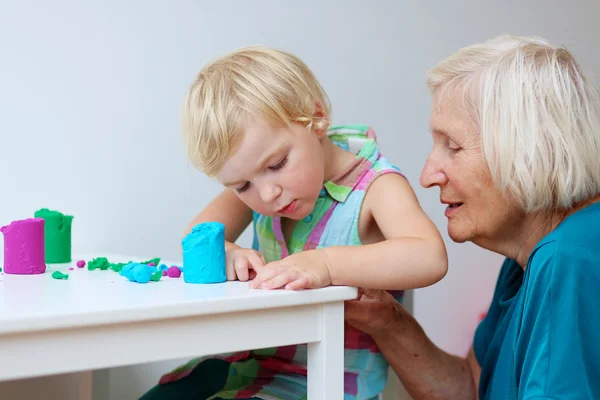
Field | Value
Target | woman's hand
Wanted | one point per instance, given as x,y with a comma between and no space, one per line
375,312
426,371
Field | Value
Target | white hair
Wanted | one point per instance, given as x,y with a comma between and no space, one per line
538,116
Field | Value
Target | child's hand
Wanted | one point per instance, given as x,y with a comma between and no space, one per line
305,270
242,264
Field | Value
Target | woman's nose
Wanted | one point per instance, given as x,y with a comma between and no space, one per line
432,175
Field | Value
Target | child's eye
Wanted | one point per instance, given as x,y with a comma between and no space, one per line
243,188
279,165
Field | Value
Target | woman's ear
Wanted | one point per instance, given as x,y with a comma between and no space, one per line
320,122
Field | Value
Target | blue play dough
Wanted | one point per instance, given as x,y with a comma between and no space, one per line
204,254
162,267
137,272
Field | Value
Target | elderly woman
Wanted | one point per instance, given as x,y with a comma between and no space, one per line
516,155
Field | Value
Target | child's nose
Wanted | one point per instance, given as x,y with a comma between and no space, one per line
269,192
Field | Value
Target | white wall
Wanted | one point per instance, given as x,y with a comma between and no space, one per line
90,95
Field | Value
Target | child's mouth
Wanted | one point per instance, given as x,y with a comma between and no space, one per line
288,209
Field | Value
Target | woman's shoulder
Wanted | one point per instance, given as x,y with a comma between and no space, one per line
578,234
559,318
569,253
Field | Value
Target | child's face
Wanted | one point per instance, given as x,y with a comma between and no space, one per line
276,171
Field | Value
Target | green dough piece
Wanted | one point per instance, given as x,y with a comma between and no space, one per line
98,263
156,261
0,269
59,275
155,277
103,264
117,267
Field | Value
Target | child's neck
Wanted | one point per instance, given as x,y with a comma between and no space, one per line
336,158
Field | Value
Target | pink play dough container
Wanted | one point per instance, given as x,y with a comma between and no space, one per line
24,247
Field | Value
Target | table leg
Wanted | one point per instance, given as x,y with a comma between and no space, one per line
84,385
326,357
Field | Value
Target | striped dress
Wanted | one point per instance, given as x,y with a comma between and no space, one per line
280,373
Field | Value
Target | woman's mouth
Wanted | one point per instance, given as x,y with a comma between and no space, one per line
452,208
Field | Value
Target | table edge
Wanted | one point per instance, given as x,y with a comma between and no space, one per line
35,323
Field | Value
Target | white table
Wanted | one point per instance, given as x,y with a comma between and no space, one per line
98,319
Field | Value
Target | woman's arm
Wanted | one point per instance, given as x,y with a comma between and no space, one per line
426,371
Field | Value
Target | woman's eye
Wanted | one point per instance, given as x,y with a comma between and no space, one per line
279,165
453,146
243,188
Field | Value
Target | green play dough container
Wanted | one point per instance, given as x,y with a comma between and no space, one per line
57,235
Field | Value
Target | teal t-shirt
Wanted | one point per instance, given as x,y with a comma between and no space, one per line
541,336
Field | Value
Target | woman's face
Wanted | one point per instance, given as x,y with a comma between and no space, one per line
476,209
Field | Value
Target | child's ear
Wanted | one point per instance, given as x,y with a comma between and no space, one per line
320,121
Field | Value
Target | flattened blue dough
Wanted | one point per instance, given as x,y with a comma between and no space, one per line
137,272
204,254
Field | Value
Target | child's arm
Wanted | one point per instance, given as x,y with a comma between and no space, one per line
412,255
231,211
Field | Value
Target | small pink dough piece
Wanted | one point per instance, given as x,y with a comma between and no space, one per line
152,264
164,273
71,269
173,272
80,264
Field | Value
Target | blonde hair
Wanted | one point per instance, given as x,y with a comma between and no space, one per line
251,82
538,116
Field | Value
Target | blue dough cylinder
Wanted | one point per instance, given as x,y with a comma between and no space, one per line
204,254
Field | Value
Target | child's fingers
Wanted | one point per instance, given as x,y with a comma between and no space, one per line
230,271
298,284
240,265
260,278
256,261
279,280
264,274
